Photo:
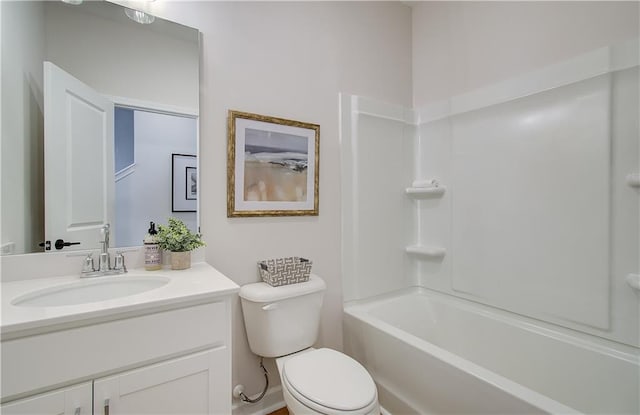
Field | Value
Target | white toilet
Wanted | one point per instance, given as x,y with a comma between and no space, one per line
282,322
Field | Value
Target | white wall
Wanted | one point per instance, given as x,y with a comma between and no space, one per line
288,60
461,46
145,195
22,126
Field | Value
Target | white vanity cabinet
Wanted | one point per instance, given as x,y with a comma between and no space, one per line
180,362
74,400
193,384
166,351
187,385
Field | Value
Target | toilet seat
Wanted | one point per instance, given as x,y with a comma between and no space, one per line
329,382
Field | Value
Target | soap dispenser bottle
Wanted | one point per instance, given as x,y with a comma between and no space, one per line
152,252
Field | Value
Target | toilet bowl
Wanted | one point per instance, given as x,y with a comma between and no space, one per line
325,381
282,322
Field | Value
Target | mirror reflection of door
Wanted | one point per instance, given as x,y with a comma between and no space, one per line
78,137
145,140
109,165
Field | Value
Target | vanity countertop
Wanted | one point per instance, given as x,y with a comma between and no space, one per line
201,283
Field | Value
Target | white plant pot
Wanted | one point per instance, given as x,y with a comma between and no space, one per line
181,260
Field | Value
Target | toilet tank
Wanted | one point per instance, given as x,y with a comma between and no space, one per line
282,320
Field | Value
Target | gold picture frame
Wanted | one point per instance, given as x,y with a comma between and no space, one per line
272,166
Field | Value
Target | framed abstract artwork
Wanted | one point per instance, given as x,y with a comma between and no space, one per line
272,166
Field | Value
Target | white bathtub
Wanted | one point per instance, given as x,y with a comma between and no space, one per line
434,353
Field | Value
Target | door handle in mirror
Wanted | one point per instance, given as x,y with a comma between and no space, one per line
61,244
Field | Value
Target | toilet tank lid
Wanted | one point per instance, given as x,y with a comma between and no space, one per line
262,292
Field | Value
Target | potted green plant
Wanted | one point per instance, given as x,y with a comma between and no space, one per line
180,241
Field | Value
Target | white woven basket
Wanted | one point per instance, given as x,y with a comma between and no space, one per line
284,271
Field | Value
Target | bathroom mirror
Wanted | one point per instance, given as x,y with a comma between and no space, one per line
147,72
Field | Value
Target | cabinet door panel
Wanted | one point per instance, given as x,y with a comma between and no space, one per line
75,400
181,386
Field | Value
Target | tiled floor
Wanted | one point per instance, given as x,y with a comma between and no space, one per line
281,411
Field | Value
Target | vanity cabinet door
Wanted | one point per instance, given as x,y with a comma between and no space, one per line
194,384
74,400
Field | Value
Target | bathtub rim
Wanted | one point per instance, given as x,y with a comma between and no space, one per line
612,348
360,310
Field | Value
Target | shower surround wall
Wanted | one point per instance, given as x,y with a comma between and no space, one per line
533,216
540,220
378,146
536,216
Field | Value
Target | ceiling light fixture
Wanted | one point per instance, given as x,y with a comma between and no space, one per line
139,17
74,2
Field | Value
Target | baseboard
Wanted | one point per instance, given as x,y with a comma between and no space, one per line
271,401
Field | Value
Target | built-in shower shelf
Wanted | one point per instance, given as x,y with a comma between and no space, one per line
634,281
426,251
633,179
425,191
425,188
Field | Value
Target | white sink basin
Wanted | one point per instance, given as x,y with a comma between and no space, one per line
90,290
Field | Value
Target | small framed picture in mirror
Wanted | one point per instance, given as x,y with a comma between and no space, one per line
191,185
184,183
272,166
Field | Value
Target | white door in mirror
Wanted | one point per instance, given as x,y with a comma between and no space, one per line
79,169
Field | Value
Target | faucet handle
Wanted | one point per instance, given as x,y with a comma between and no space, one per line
87,266
119,262
103,262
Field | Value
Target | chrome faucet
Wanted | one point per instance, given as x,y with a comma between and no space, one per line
104,231
104,261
